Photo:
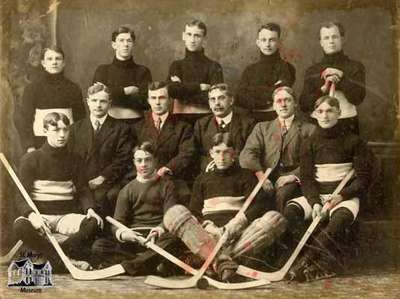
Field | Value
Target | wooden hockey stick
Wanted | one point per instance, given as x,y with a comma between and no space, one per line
189,269
192,282
5,259
75,272
281,273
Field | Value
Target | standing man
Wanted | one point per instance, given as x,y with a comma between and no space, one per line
260,79
276,144
126,79
104,144
49,92
193,75
335,68
223,119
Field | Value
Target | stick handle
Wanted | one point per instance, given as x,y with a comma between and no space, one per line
257,188
332,89
120,225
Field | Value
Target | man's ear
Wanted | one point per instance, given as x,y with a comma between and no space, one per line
113,45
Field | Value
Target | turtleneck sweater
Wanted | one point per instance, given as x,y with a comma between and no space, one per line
120,74
218,195
352,83
195,68
51,177
332,149
47,91
260,79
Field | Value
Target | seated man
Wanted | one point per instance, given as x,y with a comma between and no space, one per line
52,178
141,204
51,91
172,138
104,145
217,197
327,156
276,144
224,119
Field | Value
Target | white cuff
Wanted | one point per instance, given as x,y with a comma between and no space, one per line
119,232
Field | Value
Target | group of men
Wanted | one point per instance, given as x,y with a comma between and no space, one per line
150,154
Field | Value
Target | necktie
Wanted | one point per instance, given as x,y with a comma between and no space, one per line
284,129
222,126
157,123
97,127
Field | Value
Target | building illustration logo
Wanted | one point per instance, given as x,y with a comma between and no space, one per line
25,274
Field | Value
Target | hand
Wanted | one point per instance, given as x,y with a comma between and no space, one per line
317,209
204,86
38,223
267,185
92,214
30,149
212,229
175,79
163,171
286,179
333,78
329,71
236,225
155,233
129,90
131,236
96,182
333,201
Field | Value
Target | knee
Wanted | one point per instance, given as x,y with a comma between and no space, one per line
175,217
22,228
89,226
340,219
102,246
293,213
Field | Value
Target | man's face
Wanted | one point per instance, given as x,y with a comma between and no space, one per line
220,103
159,100
223,156
284,104
193,37
123,46
268,41
53,62
327,116
57,136
99,103
330,39
144,163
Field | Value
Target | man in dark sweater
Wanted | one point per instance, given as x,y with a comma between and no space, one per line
327,156
217,197
260,79
336,68
52,178
193,75
50,91
127,80
223,119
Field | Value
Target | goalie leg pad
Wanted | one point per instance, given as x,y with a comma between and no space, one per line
181,223
261,233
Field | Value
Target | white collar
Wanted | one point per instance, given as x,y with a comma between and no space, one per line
143,180
101,120
227,119
162,117
287,121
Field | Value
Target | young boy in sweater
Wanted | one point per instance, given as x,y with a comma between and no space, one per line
51,177
327,156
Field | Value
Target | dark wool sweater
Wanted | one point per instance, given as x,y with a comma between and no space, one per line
47,91
333,146
232,182
51,177
144,203
258,81
352,84
120,74
194,69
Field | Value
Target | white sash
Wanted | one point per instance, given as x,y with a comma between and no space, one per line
222,203
332,172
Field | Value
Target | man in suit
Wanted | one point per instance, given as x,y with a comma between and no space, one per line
276,144
172,138
224,119
104,143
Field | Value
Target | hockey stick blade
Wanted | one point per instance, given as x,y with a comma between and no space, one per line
8,257
74,271
160,282
192,282
280,274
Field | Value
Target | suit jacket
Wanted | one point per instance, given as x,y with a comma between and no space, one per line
174,147
264,147
107,154
206,127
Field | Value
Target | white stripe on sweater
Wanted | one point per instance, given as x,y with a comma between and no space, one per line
222,203
44,190
332,172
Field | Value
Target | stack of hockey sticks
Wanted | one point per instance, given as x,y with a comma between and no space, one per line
75,272
280,274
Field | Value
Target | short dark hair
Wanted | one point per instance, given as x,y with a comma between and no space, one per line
288,89
145,146
158,85
331,101
199,24
332,24
54,48
222,87
271,27
97,87
122,29
224,138
52,118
